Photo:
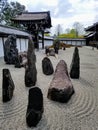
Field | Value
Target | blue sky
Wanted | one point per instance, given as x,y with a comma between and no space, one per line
65,12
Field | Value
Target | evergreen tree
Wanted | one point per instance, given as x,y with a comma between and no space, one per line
11,10
2,6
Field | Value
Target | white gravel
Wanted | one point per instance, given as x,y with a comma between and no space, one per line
80,113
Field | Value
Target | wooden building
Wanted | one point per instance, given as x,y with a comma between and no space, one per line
92,36
35,23
22,38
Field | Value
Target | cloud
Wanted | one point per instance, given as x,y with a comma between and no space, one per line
65,12
56,11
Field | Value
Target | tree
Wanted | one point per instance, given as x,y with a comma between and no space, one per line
10,11
2,6
73,31
67,30
79,29
58,30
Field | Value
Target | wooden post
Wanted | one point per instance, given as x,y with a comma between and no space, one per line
36,40
42,39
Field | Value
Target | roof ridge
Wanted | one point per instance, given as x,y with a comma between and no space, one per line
12,27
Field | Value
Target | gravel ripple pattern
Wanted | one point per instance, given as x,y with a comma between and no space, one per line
80,113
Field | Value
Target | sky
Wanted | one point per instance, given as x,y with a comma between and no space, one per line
65,12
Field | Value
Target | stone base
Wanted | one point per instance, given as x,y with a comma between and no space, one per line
59,95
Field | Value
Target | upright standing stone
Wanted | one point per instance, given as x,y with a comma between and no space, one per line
47,50
10,50
30,70
75,65
35,107
61,88
7,86
56,45
18,62
47,66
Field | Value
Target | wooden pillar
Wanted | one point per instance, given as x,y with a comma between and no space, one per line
3,45
3,41
36,40
42,39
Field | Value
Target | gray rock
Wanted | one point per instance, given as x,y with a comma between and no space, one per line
75,65
30,69
10,50
7,86
61,88
35,107
47,66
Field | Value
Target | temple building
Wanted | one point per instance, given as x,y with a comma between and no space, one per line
35,23
92,36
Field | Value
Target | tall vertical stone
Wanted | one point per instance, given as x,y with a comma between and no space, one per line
35,107
7,86
56,45
10,50
30,70
75,65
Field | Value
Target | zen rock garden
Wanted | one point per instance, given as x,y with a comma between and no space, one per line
60,89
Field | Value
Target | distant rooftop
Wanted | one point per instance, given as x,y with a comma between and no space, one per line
93,27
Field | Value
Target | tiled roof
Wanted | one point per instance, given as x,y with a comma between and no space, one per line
93,27
42,18
7,30
29,16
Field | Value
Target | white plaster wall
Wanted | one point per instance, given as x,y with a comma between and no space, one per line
22,45
1,48
18,44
